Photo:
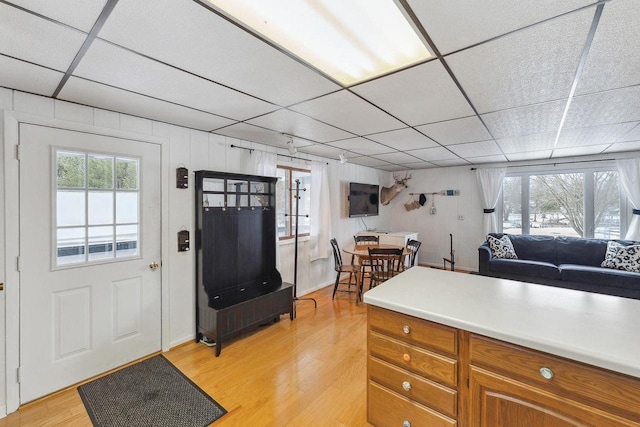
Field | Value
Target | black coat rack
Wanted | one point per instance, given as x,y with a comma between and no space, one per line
295,250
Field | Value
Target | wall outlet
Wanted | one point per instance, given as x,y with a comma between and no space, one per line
460,217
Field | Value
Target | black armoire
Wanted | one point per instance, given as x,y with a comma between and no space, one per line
237,284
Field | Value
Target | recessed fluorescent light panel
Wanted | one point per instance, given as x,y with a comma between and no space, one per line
351,41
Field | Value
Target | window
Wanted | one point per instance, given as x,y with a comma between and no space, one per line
574,203
97,207
286,203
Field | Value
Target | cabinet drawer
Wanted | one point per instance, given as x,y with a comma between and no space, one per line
411,329
386,408
429,393
414,359
599,388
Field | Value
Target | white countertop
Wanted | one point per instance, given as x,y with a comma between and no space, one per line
600,330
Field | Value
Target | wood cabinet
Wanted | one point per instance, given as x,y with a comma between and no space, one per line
237,284
424,373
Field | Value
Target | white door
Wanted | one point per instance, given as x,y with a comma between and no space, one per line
89,238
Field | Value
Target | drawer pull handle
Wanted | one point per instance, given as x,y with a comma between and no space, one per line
406,385
406,423
546,373
406,357
406,329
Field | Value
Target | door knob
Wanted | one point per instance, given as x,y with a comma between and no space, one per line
154,265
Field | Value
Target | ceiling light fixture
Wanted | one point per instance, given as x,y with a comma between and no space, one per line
343,158
292,148
351,41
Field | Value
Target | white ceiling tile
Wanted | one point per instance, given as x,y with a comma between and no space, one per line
81,14
255,134
530,155
454,24
369,161
593,135
293,123
97,95
392,168
452,162
403,139
468,129
623,146
579,151
187,35
476,149
613,60
361,146
397,157
419,165
118,67
633,135
28,37
615,106
433,154
537,64
28,77
322,150
422,94
539,118
487,159
527,143
346,111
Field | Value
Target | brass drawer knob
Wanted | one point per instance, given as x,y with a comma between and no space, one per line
546,373
406,385
406,423
406,329
406,357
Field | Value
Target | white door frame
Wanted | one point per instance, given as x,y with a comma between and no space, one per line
12,120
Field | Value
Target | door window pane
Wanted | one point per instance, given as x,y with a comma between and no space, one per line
100,243
70,168
126,240
100,207
70,209
70,246
100,173
126,207
127,174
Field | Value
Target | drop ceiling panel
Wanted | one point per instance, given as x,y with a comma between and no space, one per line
187,35
349,112
322,150
403,139
452,162
530,155
593,135
422,94
487,159
371,162
419,165
28,37
80,14
97,95
623,146
122,68
476,149
615,106
457,131
534,65
254,133
28,77
613,60
633,135
396,157
433,154
454,24
393,168
293,123
579,151
361,146
539,118
527,143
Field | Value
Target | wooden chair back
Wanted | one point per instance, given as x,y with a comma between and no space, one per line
385,263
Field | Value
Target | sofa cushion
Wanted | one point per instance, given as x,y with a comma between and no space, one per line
522,267
501,247
599,276
576,250
626,258
535,248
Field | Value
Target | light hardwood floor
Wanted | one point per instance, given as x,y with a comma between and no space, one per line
306,372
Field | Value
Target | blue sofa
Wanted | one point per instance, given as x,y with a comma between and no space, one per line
566,262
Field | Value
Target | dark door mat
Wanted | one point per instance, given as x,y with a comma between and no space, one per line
150,393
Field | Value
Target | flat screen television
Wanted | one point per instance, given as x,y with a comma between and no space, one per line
363,199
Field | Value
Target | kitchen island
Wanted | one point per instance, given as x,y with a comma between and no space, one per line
456,349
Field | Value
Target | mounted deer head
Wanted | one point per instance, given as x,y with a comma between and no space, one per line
388,193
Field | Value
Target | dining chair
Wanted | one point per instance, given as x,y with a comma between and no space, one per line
385,264
340,268
413,245
364,263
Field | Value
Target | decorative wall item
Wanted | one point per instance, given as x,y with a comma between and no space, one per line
183,241
182,177
388,193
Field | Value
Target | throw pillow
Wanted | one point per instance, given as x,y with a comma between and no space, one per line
502,248
627,258
612,250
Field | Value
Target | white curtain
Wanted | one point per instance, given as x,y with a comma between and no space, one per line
490,184
629,172
319,212
263,163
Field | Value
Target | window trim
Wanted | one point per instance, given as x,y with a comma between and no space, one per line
289,171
